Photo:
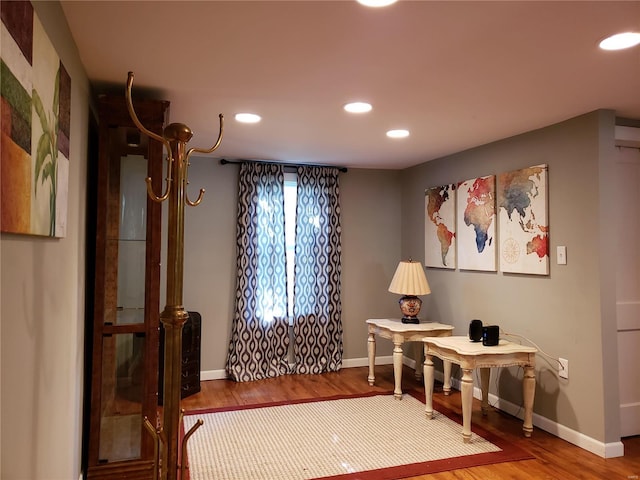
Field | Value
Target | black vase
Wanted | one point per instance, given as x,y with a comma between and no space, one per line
475,330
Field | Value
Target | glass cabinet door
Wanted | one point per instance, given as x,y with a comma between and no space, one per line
131,241
123,360
121,397
126,311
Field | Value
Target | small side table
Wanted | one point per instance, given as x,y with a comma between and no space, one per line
398,333
470,355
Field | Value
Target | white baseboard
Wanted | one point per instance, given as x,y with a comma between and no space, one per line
212,375
364,362
347,363
604,450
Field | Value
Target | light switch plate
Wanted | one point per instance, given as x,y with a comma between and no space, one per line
561,255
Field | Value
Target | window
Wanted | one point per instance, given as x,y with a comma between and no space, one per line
290,201
288,308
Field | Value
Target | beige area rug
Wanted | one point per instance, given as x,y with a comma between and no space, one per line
371,437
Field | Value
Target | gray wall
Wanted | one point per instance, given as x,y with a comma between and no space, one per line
42,314
568,314
371,237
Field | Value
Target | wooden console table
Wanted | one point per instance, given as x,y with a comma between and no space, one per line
470,355
399,333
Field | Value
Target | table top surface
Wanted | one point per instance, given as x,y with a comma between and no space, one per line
464,346
396,325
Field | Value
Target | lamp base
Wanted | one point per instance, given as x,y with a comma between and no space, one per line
410,320
410,307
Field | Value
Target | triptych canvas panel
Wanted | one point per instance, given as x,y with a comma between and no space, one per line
440,226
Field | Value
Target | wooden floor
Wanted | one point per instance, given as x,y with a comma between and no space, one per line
554,458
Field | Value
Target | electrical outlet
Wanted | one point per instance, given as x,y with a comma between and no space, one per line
563,369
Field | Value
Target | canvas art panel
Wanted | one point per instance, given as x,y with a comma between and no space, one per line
440,226
36,123
476,224
522,219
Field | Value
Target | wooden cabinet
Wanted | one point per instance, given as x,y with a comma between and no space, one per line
190,369
191,333
125,296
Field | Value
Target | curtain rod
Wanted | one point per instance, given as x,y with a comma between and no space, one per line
224,161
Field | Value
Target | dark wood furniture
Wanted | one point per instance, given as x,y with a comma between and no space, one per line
125,296
191,332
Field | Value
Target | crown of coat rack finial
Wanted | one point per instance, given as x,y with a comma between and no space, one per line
178,132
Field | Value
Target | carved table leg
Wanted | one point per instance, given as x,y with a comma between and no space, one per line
528,391
397,370
446,387
371,348
467,399
485,374
428,385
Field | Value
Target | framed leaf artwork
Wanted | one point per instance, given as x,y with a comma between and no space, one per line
36,123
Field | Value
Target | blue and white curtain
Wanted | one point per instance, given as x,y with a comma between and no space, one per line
260,332
317,308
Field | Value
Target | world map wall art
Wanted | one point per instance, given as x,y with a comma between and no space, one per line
522,221
35,91
476,224
486,222
440,226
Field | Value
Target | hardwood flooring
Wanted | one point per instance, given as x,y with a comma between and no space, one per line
554,458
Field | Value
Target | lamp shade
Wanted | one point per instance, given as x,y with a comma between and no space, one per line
409,279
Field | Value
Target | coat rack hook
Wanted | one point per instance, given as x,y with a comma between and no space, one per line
201,150
155,136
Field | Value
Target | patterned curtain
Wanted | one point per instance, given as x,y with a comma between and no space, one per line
260,331
317,308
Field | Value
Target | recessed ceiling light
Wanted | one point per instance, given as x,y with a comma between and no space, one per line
358,107
376,3
248,117
620,41
401,133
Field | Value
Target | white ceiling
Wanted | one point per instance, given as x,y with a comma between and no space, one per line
457,74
